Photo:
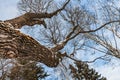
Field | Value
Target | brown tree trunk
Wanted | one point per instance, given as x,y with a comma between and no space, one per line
14,44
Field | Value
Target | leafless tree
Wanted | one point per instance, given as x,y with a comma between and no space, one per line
65,26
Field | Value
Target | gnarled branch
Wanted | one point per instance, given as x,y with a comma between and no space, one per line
31,19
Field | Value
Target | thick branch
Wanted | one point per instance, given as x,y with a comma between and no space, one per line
25,20
31,19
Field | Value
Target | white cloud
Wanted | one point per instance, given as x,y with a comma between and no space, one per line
110,71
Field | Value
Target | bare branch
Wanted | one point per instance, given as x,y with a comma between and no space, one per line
101,57
31,19
100,27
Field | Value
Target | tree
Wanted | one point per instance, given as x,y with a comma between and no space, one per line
82,30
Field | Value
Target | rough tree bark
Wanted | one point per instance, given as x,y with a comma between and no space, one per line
14,44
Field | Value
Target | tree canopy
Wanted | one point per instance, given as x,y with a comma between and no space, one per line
68,30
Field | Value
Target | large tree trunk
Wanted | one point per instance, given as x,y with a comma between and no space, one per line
14,44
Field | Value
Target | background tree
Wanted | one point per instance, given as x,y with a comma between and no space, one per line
69,31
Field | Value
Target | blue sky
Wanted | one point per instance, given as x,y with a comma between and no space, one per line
8,10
